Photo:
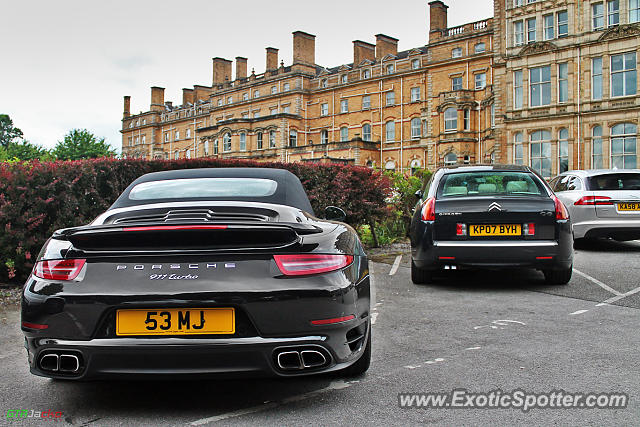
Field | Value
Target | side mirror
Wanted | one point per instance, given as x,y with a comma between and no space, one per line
334,213
418,194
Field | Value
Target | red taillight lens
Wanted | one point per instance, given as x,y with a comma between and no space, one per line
561,210
429,209
461,229
298,265
59,269
332,321
593,200
175,227
529,229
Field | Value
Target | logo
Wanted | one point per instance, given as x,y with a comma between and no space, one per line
494,207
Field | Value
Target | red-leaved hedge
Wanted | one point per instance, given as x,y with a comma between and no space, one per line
38,198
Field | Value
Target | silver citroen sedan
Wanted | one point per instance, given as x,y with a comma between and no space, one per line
601,203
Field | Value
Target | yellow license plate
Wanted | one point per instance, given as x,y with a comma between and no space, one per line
629,206
495,230
171,321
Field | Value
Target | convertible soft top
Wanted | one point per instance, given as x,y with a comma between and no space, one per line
289,190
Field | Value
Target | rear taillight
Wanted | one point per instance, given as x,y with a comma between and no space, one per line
461,229
594,200
561,210
59,269
429,209
529,229
298,265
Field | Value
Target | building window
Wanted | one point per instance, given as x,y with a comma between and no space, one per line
344,134
256,93
226,142
324,109
286,87
541,152
466,119
188,154
549,26
143,139
390,131
176,155
243,141
390,68
344,78
563,24
273,111
245,96
623,146
518,33
613,12
215,146
344,106
481,81
517,3
456,83
286,109
518,152
259,141
177,135
391,98
274,90
415,64
597,16
415,128
540,83
324,136
390,165
623,74
493,116
596,78
135,140
563,82
256,114
450,119
517,90
531,30
324,83
366,132
245,115
479,48
415,94
188,133
220,102
366,102
230,100
366,73
206,148
130,141
293,138
456,52
563,150
272,139
596,148
634,11
450,159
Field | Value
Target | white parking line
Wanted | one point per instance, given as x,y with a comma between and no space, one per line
395,265
619,297
374,317
597,282
578,312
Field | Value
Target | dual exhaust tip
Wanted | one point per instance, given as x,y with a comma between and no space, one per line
299,359
64,363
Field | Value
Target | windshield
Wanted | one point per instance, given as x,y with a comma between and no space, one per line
490,183
615,181
203,188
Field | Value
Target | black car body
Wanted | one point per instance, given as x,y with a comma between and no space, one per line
201,272
494,216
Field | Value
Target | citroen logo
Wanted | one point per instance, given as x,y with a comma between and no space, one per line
494,207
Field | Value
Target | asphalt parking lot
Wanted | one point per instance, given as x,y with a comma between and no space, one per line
476,331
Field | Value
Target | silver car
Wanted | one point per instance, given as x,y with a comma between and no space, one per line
601,203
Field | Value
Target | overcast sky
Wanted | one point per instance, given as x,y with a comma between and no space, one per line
67,63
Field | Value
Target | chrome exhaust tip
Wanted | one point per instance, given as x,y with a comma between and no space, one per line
312,358
289,360
69,363
50,362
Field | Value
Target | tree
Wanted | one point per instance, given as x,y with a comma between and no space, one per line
8,132
24,150
81,144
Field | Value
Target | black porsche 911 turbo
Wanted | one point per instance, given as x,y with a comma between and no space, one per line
201,272
493,216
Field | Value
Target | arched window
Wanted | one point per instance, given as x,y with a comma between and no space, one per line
176,155
188,154
369,164
415,128
324,136
226,142
596,147
293,138
259,141
540,156
450,159
563,150
366,132
390,131
272,139
450,119
623,146
390,165
206,148
518,152
215,146
415,165
344,134
243,141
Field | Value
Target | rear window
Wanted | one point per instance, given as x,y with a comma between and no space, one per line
203,188
615,181
490,183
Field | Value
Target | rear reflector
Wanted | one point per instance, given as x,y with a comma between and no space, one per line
34,325
593,200
446,257
544,257
298,265
59,269
176,227
529,229
334,320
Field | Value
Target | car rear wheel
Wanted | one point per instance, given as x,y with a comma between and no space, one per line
558,277
420,276
362,365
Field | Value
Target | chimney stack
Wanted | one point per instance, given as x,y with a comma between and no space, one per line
363,50
304,48
127,106
157,99
187,96
221,71
437,18
385,45
272,58
241,68
200,92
